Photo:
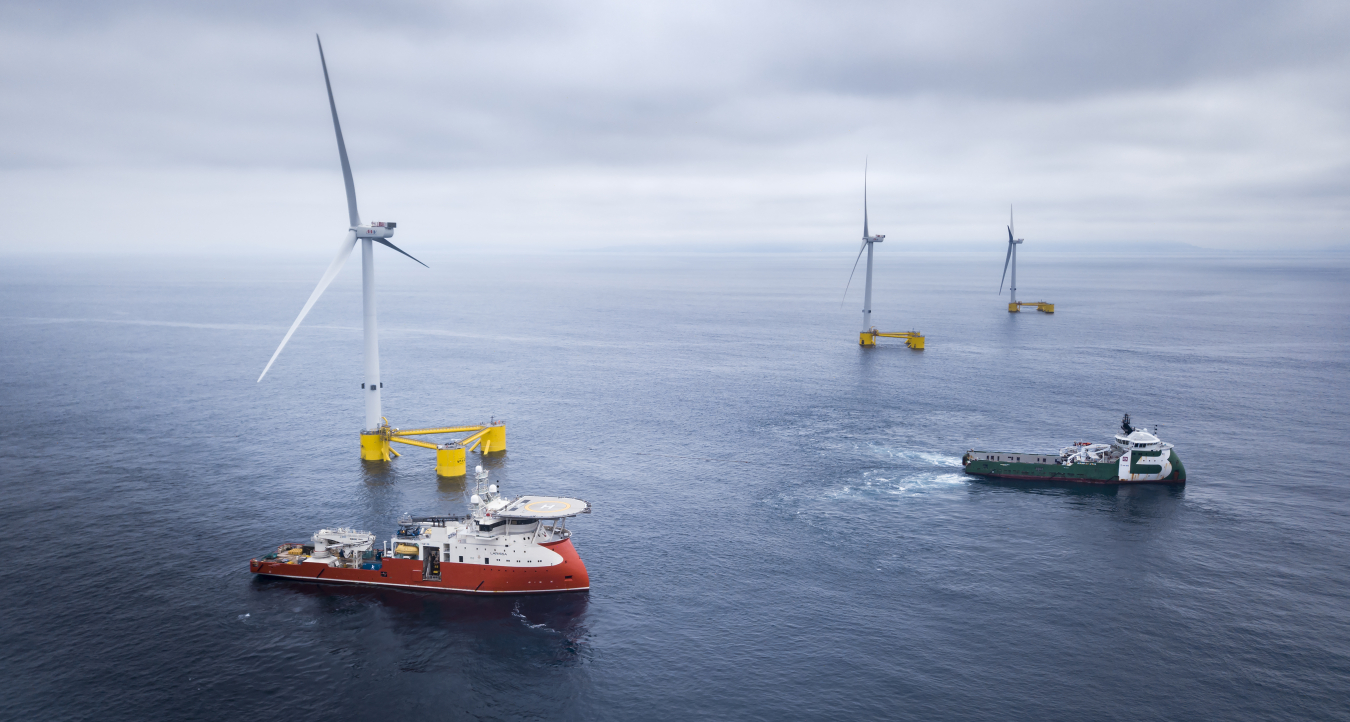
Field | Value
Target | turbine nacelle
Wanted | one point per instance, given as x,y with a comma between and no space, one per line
376,230
874,239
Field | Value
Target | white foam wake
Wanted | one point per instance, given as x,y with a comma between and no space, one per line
515,612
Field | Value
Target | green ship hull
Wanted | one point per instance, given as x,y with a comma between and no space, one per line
1036,467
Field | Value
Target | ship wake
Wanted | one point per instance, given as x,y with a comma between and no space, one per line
515,612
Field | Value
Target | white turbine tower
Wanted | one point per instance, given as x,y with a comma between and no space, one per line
867,241
369,235
1012,256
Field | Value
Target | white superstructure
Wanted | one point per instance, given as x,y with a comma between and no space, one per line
497,530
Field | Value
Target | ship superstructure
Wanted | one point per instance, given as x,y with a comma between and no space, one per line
504,545
1136,457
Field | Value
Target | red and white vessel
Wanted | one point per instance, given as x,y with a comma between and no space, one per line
504,545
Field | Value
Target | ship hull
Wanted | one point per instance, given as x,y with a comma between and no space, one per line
1044,469
568,576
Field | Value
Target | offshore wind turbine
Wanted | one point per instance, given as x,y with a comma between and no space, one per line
1013,305
867,241
1012,256
869,334
368,234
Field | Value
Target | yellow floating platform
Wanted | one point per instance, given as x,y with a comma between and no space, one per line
486,439
1041,306
913,339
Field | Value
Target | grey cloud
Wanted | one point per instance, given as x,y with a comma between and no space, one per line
1051,50
689,112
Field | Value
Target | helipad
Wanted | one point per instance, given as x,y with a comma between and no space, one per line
544,507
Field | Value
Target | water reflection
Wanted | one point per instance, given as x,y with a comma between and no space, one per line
378,473
453,487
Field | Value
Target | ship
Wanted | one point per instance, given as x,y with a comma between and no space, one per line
503,545
1136,457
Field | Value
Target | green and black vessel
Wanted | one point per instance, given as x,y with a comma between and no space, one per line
1136,457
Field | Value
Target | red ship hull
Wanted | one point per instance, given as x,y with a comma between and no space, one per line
569,576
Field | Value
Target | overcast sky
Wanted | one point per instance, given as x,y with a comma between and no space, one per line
504,124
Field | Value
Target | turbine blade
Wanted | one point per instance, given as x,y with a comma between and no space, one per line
400,250
865,233
352,215
348,243
850,273
1005,262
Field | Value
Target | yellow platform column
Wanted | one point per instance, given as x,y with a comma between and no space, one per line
1014,308
494,439
450,460
915,342
1046,307
866,339
374,447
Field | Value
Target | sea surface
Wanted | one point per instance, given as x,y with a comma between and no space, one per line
782,529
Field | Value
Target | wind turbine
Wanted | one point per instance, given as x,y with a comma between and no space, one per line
374,445
1013,305
869,334
867,241
1012,256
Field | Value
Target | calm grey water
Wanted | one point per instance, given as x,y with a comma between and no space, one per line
781,528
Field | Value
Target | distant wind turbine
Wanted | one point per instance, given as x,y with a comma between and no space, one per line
1012,256
867,241
1015,306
